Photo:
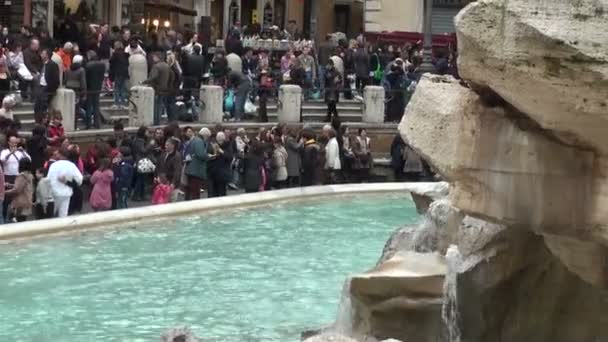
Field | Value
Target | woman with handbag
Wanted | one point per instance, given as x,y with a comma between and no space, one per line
145,166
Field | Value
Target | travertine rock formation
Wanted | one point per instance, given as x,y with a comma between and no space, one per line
523,142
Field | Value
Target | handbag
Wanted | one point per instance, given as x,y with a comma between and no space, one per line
145,166
229,101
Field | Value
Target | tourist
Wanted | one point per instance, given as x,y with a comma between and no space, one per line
196,164
162,190
241,86
21,193
193,70
37,147
49,82
5,80
56,132
294,162
279,164
144,165
124,170
45,206
75,79
265,90
325,51
398,157
66,55
61,173
310,159
102,178
119,75
361,62
170,164
254,175
175,81
220,166
11,157
333,82
219,69
77,198
394,85
95,70
333,166
310,69
159,79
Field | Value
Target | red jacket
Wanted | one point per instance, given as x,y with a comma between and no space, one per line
56,132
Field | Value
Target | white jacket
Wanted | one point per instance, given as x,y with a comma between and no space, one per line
67,170
332,155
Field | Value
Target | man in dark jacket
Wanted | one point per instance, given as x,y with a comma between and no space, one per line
326,50
33,62
220,167
361,62
95,71
241,85
311,164
194,68
170,163
49,82
159,79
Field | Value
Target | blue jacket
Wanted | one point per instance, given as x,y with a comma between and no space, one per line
123,174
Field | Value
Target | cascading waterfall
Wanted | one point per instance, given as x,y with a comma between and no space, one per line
449,311
344,319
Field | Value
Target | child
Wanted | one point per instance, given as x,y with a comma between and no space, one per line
45,206
101,195
162,191
123,176
56,131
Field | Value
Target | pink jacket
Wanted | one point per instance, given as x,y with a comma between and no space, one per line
101,196
162,194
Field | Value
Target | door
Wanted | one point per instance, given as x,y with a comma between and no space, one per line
342,19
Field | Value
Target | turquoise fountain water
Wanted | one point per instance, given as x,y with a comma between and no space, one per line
260,274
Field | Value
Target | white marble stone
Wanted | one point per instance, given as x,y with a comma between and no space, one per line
290,103
65,102
142,114
213,99
374,104
109,219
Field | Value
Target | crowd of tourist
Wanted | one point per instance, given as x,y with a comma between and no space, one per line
108,60
46,175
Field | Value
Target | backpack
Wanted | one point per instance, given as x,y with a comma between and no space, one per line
378,73
229,101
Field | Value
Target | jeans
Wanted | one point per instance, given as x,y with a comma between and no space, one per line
240,97
92,110
322,78
309,85
123,197
1,211
169,105
43,101
140,187
120,92
159,104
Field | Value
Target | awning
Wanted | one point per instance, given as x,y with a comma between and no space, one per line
170,6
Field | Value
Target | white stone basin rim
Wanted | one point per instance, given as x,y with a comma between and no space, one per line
111,218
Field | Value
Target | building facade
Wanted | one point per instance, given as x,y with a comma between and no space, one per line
408,16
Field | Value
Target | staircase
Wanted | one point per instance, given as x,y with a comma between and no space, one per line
313,111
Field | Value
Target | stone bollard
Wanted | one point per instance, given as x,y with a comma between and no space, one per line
141,112
65,102
213,104
373,104
290,103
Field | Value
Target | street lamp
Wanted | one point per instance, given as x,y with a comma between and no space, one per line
427,45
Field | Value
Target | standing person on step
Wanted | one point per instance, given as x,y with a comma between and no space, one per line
49,82
333,82
119,74
62,172
95,70
159,79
